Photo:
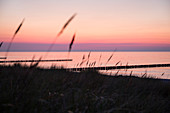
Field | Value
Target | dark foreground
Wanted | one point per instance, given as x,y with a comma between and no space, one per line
34,90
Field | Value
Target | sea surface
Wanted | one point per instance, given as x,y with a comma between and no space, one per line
101,59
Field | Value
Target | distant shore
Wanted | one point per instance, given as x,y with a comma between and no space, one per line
31,89
87,50
86,47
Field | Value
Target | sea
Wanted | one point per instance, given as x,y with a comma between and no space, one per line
102,58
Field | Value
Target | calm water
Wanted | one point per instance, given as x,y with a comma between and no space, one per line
123,57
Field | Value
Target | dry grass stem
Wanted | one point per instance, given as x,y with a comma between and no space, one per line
32,66
66,24
88,57
1,44
100,57
72,41
14,37
117,63
162,74
109,58
131,73
83,57
89,54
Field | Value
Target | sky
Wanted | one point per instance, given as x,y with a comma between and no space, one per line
129,22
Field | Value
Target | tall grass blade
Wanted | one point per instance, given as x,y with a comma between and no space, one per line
88,57
89,54
83,60
162,74
19,27
145,74
83,57
82,63
32,59
117,63
117,72
109,58
72,41
100,57
66,24
126,66
35,64
131,73
94,63
1,44
87,62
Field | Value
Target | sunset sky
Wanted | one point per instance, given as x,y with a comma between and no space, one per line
97,21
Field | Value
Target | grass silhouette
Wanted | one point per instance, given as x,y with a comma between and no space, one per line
72,41
13,37
61,31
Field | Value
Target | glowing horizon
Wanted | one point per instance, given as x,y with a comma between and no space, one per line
118,21
87,47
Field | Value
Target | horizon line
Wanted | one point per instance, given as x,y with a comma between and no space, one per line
87,47
87,51
83,43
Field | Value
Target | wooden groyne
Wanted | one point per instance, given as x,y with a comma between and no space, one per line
2,57
119,67
17,61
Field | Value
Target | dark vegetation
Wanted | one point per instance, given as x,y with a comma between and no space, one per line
26,89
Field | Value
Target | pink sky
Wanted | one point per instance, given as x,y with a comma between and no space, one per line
107,21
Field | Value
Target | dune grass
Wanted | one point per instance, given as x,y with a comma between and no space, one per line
35,90
71,43
61,31
13,37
